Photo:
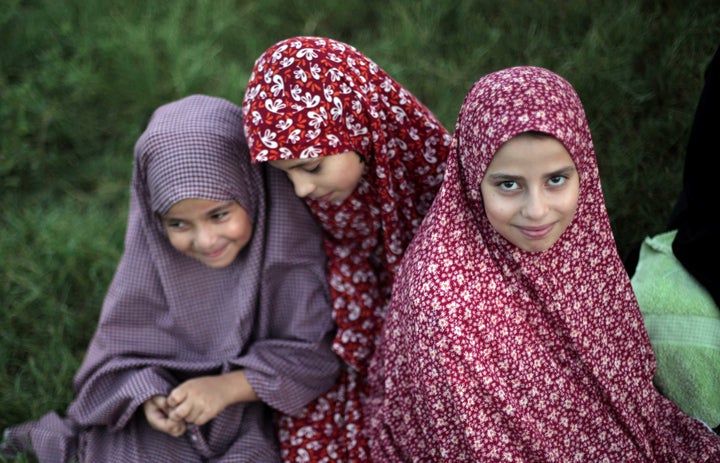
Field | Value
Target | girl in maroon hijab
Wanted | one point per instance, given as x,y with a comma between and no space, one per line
368,158
513,333
218,310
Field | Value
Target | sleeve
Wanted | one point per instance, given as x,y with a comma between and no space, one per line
122,391
291,362
114,378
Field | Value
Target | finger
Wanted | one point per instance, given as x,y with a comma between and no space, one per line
153,413
160,422
161,403
176,397
181,412
194,416
201,419
177,428
155,421
174,428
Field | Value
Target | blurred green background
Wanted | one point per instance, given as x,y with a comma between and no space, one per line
79,80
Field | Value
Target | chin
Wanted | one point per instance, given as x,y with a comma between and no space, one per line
534,246
222,264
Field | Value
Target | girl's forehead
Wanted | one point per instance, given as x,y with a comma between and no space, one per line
195,205
292,163
516,100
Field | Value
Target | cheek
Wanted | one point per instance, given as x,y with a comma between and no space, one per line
497,215
349,176
571,203
241,231
180,243
497,208
355,180
342,182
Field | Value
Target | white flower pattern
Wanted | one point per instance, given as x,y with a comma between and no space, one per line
490,353
338,100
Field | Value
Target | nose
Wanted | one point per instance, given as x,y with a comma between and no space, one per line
302,186
204,238
535,205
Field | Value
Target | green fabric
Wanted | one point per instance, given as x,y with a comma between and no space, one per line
683,323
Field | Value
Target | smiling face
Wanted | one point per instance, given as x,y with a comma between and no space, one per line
530,191
327,178
212,232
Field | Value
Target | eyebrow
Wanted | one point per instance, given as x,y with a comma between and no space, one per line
562,171
220,207
501,176
301,163
212,211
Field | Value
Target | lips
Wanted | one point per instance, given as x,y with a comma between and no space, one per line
536,232
214,254
324,197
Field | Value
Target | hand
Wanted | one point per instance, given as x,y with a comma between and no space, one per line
199,400
157,414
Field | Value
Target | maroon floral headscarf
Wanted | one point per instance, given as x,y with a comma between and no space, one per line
493,353
314,96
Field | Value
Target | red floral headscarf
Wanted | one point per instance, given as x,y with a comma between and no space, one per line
492,353
313,96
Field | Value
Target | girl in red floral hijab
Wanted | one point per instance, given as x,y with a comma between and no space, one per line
368,158
513,333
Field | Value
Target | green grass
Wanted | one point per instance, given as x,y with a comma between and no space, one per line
78,81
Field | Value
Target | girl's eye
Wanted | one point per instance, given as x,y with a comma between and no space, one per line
313,169
175,224
557,180
508,185
220,215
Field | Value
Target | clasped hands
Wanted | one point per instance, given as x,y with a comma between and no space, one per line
195,401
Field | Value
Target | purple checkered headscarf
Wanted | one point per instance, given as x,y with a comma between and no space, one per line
167,317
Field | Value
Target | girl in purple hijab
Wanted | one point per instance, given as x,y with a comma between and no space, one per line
218,312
